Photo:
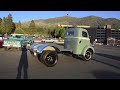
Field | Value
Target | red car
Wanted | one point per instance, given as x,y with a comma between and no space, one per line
1,40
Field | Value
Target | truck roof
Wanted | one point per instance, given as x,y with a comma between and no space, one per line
77,28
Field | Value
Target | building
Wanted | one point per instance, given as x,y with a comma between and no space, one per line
101,34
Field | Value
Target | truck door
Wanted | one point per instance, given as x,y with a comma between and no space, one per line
83,41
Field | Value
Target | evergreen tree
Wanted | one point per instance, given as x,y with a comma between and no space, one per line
32,28
19,28
19,24
0,21
13,28
0,25
8,24
4,25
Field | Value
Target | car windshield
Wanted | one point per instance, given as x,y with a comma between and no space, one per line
49,39
19,36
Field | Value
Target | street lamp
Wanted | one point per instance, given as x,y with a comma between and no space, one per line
67,20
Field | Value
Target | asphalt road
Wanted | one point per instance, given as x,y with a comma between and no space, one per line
105,64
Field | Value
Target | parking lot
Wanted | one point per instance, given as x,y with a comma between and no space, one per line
105,64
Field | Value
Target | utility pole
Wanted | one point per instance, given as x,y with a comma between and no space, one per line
68,22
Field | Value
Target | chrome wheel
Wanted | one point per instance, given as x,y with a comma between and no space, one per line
88,55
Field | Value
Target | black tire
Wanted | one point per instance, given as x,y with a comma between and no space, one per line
49,58
88,55
39,56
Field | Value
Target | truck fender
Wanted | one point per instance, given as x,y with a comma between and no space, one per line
41,48
88,48
34,44
46,47
56,49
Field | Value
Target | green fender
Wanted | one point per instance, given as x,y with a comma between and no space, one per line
88,48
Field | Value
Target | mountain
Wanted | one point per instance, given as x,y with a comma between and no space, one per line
89,20
92,21
114,22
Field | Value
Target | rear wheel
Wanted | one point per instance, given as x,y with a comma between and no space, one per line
49,58
88,55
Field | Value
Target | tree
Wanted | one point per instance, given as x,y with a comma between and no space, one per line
0,25
0,21
4,25
19,29
8,24
19,24
49,32
62,32
32,28
56,32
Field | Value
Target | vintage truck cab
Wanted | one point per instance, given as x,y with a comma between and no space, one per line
77,41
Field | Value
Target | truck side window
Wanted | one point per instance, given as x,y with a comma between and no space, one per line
84,34
70,33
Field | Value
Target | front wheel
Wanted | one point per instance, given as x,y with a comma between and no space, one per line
88,55
49,58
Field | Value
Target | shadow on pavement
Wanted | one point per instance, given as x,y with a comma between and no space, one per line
106,63
73,56
23,65
109,56
106,75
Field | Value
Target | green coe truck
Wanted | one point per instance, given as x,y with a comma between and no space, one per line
77,42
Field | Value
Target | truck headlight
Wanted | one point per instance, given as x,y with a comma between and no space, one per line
34,49
35,53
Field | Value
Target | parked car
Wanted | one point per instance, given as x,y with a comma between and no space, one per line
29,39
49,40
15,40
1,40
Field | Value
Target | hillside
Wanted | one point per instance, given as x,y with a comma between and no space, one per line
89,20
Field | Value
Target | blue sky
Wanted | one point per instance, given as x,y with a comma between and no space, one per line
35,15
